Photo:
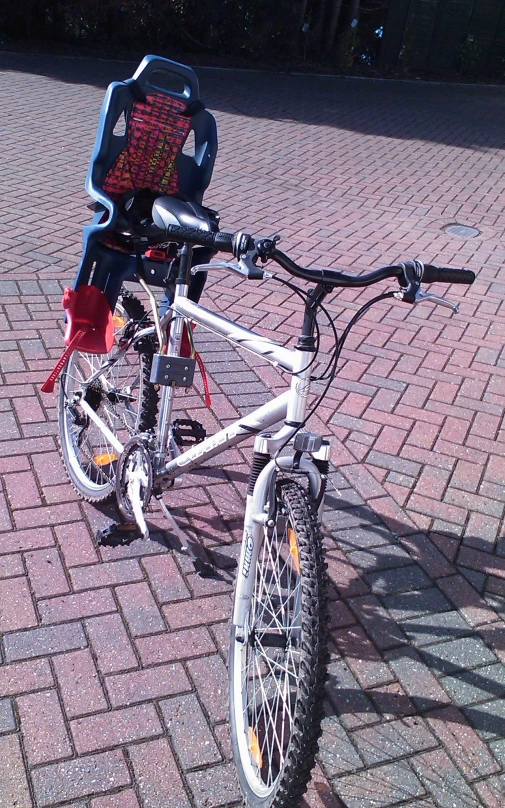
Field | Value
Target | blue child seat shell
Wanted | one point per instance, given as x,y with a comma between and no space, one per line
144,124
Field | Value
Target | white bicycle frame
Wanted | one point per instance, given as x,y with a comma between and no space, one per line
290,406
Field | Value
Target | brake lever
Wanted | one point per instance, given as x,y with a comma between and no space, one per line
442,301
421,296
245,267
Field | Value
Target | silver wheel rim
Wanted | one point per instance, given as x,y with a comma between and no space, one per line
266,678
88,450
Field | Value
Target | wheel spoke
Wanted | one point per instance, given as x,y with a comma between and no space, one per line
118,393
267,669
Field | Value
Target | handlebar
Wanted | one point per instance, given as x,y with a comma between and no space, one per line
244,246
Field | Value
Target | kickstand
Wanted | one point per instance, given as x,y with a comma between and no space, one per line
201,559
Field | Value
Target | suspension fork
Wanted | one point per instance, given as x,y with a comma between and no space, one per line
260,509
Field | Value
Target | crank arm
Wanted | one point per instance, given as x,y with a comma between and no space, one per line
133,489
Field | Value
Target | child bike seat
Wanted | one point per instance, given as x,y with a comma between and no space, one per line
141,150
139,155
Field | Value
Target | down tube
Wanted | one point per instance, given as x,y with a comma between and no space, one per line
258,420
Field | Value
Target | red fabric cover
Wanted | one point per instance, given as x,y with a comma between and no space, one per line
88,312
156,133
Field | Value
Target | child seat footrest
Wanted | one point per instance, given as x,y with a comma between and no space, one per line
90,327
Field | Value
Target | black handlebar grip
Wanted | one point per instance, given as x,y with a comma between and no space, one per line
191,235
224,242
433,274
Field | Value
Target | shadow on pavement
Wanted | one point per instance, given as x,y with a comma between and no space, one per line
470,117
404,661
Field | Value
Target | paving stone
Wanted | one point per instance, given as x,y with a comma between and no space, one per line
25,676
416,678
110,643
41,641
402,579
386,556
405,605
351,704
397,739
379,787
435,627
122,799
361,656
140,609
197,611
360,538
443,781
467,750
391,701
215,786
377,623
467,652
488,718
337,754
71,607
80,687
7,717
166,580
211,679
115,572
470,687
14,787
17,610
491,792
87,775
175,645
190,732
115,728
46,573
150,683
43,727
156,776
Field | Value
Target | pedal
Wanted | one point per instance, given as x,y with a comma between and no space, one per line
187,432
117,534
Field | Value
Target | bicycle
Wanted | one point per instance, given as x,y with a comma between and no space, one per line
119,441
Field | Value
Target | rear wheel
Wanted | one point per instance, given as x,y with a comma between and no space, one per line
278,667
122,396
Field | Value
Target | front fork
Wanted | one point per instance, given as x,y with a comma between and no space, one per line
260,508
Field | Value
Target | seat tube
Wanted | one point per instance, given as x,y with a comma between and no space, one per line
167,395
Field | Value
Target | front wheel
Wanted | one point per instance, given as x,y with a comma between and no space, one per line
278,664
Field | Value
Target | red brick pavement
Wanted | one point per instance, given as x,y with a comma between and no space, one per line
113,682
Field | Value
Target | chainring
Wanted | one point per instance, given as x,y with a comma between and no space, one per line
134,469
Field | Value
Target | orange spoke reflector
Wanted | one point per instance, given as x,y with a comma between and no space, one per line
104,459
255,748
119,322
293,547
